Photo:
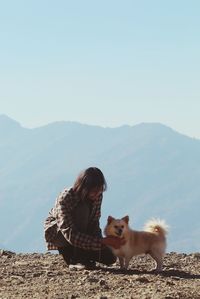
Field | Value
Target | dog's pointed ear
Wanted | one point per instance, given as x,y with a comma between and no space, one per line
110,219
126,219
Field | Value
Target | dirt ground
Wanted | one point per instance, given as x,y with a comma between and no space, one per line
46,276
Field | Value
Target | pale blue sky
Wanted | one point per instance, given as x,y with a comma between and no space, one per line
104,63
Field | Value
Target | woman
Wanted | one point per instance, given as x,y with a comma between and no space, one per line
72,226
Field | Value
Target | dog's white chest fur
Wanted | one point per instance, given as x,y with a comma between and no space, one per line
123,251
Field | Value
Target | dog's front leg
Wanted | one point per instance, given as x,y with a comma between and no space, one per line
121,262
127,260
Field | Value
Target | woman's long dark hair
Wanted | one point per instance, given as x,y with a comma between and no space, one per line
90,179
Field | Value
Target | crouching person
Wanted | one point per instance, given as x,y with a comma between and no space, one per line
72,226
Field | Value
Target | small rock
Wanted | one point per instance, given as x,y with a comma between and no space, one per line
196,255
102,282
142,279
6,253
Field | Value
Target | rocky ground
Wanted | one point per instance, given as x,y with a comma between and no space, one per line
46,276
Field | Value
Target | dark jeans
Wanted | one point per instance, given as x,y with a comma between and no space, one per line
73,254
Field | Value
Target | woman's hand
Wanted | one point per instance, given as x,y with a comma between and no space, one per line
114,242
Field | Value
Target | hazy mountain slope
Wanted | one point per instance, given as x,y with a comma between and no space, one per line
151,170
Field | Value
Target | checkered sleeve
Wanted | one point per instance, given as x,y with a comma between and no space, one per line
96,230
64,219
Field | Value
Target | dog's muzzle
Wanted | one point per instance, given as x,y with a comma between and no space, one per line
119,232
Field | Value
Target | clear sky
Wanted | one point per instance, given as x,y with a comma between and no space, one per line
106,63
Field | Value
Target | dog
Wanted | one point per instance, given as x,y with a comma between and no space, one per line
151,241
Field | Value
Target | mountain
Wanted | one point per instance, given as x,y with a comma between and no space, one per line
151,171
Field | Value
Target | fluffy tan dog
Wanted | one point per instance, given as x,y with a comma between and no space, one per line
150,241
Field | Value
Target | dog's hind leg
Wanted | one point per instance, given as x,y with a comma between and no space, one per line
157,256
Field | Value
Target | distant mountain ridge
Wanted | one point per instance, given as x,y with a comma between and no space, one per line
151,171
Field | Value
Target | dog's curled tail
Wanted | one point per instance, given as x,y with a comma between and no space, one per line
156,226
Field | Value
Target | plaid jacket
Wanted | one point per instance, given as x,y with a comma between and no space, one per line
60,219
